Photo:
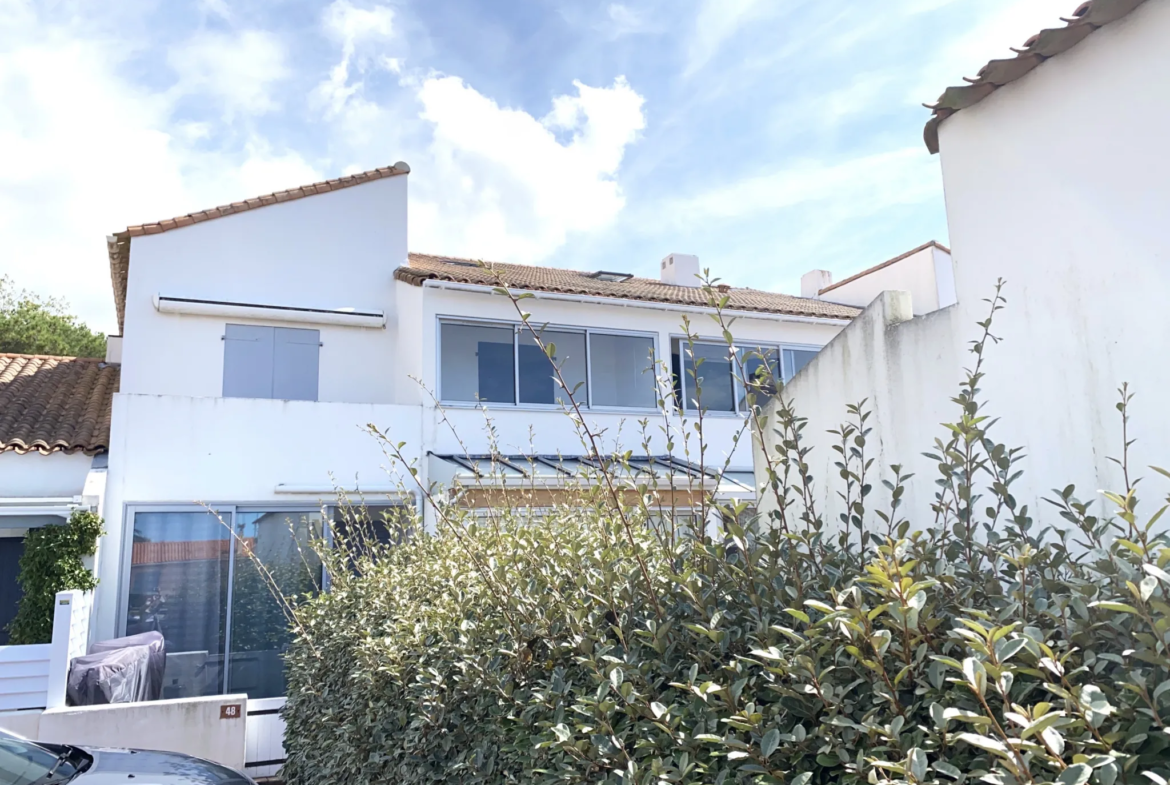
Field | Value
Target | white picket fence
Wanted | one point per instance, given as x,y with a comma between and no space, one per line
34,677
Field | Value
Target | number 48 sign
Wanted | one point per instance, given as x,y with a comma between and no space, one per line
231,711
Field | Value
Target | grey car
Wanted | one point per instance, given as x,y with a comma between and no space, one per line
24,762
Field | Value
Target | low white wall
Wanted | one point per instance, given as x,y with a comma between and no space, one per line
189,725
26,724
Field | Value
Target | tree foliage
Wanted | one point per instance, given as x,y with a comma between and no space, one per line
586,644
52,562
34,325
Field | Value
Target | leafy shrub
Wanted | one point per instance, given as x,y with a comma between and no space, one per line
592,648
53,561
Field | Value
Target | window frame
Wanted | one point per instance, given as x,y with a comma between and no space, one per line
517,327
740,347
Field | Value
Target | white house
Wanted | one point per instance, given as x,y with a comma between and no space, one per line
54,434
261,338
1056,180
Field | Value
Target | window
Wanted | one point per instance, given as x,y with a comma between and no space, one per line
191,580
478,363
505,364
623,371
270,362
720,377
538,376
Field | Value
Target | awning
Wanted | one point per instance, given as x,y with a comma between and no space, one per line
662,472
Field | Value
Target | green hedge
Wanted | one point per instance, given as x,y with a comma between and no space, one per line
593,647
53,562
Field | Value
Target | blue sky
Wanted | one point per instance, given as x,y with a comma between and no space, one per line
769,137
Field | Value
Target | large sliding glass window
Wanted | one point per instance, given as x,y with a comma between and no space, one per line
505,364
210,593
707,375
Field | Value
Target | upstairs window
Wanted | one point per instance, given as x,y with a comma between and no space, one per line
504,364
710,376
270,362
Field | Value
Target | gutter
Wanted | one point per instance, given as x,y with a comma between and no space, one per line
432,283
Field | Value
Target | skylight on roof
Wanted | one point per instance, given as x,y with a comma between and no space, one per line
460,262
607,275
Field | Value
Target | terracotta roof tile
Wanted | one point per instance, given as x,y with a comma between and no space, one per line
1089,16
425,267
55,404
118,244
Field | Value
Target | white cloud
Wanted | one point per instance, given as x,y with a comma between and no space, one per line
86,153
852,188
239,68
502,184
353,28
715,24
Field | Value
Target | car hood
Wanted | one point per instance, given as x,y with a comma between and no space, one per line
155,768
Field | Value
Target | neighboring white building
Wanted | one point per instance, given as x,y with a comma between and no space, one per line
1056,180
261,338
54,434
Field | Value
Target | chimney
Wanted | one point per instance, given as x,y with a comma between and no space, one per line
812,282
114,349
681,269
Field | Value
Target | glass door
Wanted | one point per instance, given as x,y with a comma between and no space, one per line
180,566
272,553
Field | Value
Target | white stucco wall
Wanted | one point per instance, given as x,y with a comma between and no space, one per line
333,250
34,474
1057,184
927,275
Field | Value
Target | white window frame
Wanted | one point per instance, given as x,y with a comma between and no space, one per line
517,327
740,347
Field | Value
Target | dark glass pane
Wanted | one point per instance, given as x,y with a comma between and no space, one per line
797,359
362,529
676,370
477,363
760,365
281,543
179,586
713,386
538,383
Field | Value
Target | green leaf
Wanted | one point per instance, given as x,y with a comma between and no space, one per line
1110,605
918,763
1076,774
770,742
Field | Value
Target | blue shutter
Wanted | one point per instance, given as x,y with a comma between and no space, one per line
247,361
296,364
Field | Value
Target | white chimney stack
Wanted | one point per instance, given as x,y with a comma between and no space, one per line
812,282
681,269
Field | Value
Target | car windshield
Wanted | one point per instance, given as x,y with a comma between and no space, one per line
22,762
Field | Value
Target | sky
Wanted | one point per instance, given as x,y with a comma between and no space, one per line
769,137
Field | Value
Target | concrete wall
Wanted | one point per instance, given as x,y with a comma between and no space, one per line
1057,184
928,276
188,725
331,251
34,474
